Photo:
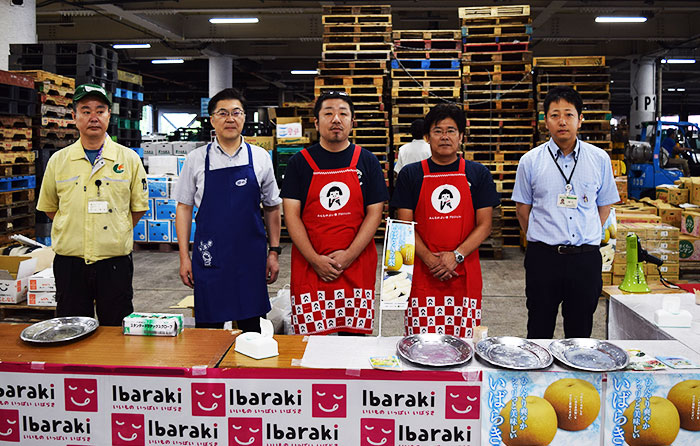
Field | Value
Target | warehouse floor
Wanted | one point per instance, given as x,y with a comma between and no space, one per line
157,286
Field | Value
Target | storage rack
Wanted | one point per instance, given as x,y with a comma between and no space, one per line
356,49
498,101
591,78
17,171
128,103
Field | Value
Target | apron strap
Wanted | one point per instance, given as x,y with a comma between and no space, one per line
206,159
462,166
355,156
305,153
250,155
426,169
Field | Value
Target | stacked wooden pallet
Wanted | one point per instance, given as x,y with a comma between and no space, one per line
17,172
425,71
356,50
498,99
591,78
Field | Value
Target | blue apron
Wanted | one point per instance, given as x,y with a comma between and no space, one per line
229,256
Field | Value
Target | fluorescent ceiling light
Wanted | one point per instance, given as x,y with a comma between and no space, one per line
304,71
680,89
614,19
670,89
162,61
124,46
677,60
219,20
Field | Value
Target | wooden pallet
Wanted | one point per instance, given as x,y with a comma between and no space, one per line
421,93
58,132
471,95
54,90
57,122
430,83
488,12
403,73
513,105
354,91
348,81
573,75
495,57
498,78
55,100
356,19
15,122
484,156
9,225
350,64
10,146
412,34
17,210
355,10
17,169
355,55
492,69
366,47
15,133
365,28
491,47
432,45
352,71
357,38
569,61
56,111
412,54
17,157
370,115
56,79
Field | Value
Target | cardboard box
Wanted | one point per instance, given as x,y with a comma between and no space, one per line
149,213
663,232
670,214
14,277
157,186
694,194
655,245
689,248
289,129
180,163
672,194
42,281
607,279
266,142
45,299
141,231
159,231
173,231
665,255
619,267
667,269
690,223
165,209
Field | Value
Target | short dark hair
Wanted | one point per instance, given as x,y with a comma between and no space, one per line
333,95
444,111
417,128
334,189
224,95
446,192
566,93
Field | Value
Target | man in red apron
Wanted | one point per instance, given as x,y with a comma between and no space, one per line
451,200
333,194
228,180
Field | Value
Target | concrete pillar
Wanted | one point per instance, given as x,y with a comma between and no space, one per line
220,74
643,94
18,22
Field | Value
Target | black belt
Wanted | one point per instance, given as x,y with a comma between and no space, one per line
566,249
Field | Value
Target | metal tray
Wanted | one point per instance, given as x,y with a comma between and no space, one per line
435,350
512,352
60,329
589,354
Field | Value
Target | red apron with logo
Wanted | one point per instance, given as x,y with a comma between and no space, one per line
444,218
332,216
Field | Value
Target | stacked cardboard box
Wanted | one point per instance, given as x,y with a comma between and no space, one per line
659,239
42,289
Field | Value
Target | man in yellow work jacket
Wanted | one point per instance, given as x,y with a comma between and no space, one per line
95,191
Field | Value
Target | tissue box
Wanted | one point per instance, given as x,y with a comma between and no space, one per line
41,299
42,281
152,324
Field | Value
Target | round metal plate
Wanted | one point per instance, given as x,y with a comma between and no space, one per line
434,350
591,355
60,329
513,353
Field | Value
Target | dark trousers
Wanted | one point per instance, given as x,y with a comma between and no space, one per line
572,280
105,285
250,324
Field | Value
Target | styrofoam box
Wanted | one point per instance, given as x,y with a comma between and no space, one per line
14,274
41,299
164,148
149,149
42,281
162,165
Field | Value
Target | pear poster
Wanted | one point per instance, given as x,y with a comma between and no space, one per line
397,268
539,409
652,408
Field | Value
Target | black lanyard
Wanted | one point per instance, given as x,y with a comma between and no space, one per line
568,180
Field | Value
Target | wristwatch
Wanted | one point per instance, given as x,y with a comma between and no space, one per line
458,256
276,249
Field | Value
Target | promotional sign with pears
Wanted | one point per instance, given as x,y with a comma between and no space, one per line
652,409
539,409
397,269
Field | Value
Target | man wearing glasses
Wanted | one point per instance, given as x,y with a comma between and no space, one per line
334,193
227,180
451,200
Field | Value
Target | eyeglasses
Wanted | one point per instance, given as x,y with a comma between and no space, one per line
236,113
449,132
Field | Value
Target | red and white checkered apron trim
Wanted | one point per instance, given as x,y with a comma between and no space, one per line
321,313
450,315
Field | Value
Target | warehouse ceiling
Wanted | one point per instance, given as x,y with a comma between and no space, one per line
289,36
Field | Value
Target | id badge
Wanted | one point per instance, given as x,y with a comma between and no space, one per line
567,201
98,207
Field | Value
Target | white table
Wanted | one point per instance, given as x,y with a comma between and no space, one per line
631,316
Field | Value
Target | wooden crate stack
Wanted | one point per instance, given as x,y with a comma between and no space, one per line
356,50
425,71
498,101
17,173
591,78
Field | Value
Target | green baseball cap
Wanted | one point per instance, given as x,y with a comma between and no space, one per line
84,90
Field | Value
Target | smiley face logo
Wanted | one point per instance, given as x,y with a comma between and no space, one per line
445,198
208,399
334,196
245,432
81,394
376,432
128,429
9,425
462,402
328,400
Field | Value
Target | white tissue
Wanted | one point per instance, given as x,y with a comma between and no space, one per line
258,345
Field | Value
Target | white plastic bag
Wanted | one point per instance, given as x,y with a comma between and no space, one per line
281,313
